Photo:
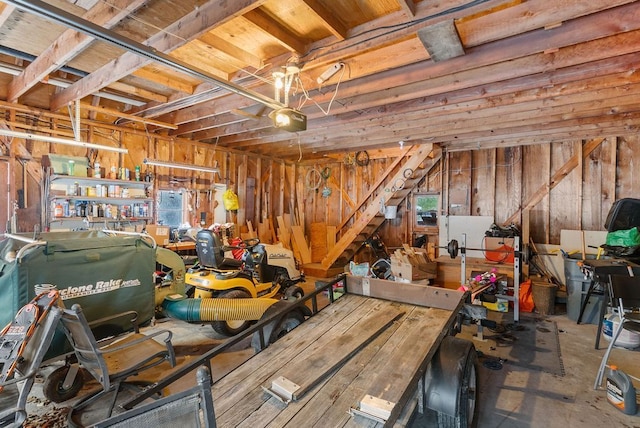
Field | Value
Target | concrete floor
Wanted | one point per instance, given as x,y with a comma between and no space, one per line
509,397
515,397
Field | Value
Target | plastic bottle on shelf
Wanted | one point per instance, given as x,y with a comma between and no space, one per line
58,211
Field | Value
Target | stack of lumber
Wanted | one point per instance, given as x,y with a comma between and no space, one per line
412,264
291,234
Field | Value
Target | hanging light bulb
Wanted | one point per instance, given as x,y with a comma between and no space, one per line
278,77
278,83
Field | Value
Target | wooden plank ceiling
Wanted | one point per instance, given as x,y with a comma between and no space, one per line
495,73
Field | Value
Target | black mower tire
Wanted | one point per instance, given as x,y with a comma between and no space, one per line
231,328
53,385
293,292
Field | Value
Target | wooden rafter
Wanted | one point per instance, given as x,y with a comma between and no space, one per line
241,57
283,36
329,19
407,6
212,13
69,44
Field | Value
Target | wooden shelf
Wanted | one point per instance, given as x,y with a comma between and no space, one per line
449,269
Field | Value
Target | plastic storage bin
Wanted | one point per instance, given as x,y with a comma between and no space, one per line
577,288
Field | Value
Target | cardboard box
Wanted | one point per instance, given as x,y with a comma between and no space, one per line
412,264
160,233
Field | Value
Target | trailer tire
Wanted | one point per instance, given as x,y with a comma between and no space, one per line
450,383
54,390
278,327
229,328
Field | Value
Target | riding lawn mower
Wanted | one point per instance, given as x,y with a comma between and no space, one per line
264,273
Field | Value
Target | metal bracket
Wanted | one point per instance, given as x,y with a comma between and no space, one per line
282,389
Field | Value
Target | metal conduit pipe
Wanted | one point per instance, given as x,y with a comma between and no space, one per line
69,20
28,57
194,310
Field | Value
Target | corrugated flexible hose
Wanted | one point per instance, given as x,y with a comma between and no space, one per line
210,309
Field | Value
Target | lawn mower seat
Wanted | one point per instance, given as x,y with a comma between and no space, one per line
211,252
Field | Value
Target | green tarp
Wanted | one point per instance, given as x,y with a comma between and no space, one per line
105,274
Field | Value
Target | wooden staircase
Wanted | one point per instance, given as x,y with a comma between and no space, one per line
387,191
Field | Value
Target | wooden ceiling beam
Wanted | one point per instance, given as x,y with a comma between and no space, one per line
191,26
280,34
328,18
560,83
502,60
578,129
397,76
555,82
530,16
408,7
69,44
164,80
5,12
492,121
618,101
240,57
496,61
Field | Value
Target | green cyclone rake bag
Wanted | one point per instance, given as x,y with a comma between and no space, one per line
105,274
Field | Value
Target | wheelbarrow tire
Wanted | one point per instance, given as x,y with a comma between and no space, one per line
54,390
230,328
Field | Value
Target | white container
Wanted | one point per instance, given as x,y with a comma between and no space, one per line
390,212
626,339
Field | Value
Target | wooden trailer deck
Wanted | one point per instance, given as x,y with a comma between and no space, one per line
357,347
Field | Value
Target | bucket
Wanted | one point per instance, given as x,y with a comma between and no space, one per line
626,339
390,212
544,297
577,287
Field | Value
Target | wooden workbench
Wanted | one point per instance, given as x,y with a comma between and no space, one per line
182,248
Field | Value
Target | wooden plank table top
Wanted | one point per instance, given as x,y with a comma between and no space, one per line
387,367
180,246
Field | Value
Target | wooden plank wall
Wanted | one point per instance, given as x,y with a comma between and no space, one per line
494,182
499,181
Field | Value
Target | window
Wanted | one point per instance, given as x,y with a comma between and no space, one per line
170,207
426,209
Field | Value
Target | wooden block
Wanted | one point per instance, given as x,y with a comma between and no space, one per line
331,237
264,234
272,231
301,244
283,232
318,241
